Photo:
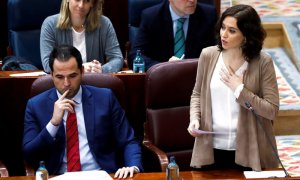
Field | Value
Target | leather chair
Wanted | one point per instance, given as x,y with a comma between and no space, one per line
24,18
94,79
3,170
168,87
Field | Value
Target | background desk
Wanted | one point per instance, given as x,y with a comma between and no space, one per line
193,175
14,93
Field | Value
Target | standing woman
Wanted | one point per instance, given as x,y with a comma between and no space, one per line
230,74
80,23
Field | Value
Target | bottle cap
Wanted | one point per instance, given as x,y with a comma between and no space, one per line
172,158
42,163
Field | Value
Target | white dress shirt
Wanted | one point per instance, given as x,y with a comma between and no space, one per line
86,158
225,109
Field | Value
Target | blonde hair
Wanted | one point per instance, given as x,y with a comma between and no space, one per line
92,19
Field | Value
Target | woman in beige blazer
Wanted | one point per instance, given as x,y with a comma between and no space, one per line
229,75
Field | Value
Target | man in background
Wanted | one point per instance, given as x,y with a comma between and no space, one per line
161,24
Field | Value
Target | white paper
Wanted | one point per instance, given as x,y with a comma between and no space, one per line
39,73
83,175
264,174
126,72
201,132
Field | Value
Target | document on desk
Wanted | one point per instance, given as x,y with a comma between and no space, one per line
125,72
264,174
201,132
90,175
39,73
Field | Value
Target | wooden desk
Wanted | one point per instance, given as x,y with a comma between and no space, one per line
14,94
193,175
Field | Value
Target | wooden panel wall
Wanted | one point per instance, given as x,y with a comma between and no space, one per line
117,12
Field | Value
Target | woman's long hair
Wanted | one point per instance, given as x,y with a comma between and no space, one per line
92,19
249,23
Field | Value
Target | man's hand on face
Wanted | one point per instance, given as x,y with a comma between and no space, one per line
60,106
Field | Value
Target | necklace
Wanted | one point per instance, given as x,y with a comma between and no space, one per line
78,28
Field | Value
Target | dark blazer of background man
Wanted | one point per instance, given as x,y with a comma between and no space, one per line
155,36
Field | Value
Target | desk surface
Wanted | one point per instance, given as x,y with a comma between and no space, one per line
193,175
6,74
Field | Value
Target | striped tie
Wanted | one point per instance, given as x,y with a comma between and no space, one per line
73,156
179,40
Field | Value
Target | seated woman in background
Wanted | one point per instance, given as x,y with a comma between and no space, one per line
232,78
80,23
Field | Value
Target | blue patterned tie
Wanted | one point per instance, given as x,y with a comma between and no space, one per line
179,40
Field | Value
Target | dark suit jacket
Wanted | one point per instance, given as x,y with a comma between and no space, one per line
107,128
155,36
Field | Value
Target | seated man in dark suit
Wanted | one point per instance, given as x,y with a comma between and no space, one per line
98,126
156,37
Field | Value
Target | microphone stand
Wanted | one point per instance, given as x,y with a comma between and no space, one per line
249,106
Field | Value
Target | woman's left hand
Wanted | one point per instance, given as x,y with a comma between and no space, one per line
93,66
96,66
194,124
230,78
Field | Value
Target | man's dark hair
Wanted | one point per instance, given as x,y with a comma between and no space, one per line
63,53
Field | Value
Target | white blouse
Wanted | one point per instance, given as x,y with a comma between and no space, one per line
224,108
79,43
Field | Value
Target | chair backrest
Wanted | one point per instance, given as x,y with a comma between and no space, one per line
24,18
44,83
169,87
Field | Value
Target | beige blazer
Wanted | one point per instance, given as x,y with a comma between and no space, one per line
260,90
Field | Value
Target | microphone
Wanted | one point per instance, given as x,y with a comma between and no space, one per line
249,106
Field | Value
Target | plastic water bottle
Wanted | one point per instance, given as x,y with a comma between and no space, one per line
138,63
172,170
42,172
